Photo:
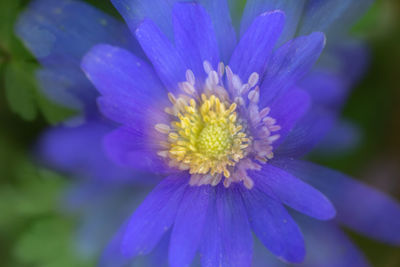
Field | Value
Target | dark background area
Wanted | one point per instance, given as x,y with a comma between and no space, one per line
33,230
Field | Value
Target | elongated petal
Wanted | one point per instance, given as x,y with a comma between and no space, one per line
195,36
289,64
358,205
159,11
132,149
188,228
255,47
167,61
333,18
292,8
153,217
128,81
293,192
274,226
127,75
288,110
60,32
61,148
227,236
224,30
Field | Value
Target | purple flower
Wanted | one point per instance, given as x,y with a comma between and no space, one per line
216,132
216,219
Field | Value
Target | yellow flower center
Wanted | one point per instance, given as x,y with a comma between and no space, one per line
214,140
206,138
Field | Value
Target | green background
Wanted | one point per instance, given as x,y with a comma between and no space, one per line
33,230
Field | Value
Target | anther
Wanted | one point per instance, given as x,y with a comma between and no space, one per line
190,77
162,128
253,79
207,66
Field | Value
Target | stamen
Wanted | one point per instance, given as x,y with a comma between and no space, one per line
190,77
162,128
254,95
221,69
253,79
188,88
209,134
207,67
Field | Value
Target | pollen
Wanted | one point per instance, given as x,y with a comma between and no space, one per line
215,129
206,137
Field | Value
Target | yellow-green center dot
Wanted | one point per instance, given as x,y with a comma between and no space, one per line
214,140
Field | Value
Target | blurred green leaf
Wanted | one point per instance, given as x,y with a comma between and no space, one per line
49,243
24,97
20,89
22,92
52,112
35,193
8,12
369,20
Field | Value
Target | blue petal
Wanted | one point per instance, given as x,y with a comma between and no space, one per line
159,11
332,18
292,9
188,228
274,226
195,36
133,149
227,235
308,133
131,91
291,191
255,47
289,64
329,246
61,148
167,61
226,35
153,217
358,206
288,110
60,32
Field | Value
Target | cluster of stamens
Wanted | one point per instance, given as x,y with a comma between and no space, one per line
207,138
209,135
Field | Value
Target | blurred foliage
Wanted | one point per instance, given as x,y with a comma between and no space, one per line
18,71
35,232
33,229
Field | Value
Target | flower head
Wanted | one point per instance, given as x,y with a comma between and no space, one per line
237,174
214,137
212,130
